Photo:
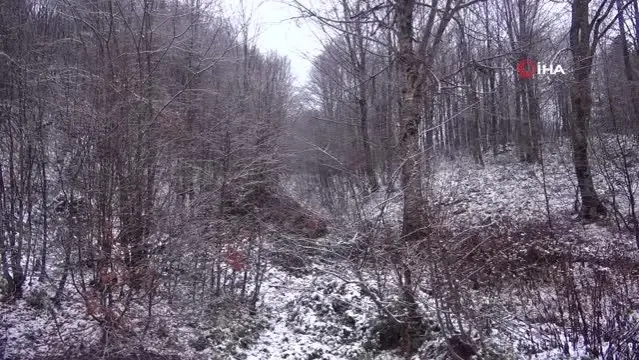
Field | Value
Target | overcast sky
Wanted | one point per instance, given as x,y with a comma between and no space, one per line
273,29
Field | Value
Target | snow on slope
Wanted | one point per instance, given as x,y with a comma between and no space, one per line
311,317
318,316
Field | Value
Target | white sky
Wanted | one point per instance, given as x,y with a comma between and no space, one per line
274,30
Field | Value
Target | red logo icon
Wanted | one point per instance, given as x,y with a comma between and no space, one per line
526,68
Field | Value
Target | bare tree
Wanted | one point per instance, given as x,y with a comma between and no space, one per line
585,34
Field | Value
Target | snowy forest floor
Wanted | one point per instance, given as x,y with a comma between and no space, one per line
528,288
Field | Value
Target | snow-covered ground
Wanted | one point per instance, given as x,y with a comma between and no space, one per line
322,313
523,197
314,316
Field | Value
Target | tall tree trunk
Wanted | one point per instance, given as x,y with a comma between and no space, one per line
368,157
534,123
363,111
413,228
472,102
629,72
493,112
521,116
581,99
45,208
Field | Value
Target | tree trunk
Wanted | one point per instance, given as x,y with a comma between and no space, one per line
493,113
591,207
413,228
534,123
472,100
45,218
581,100
629,72
368,157
363,112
